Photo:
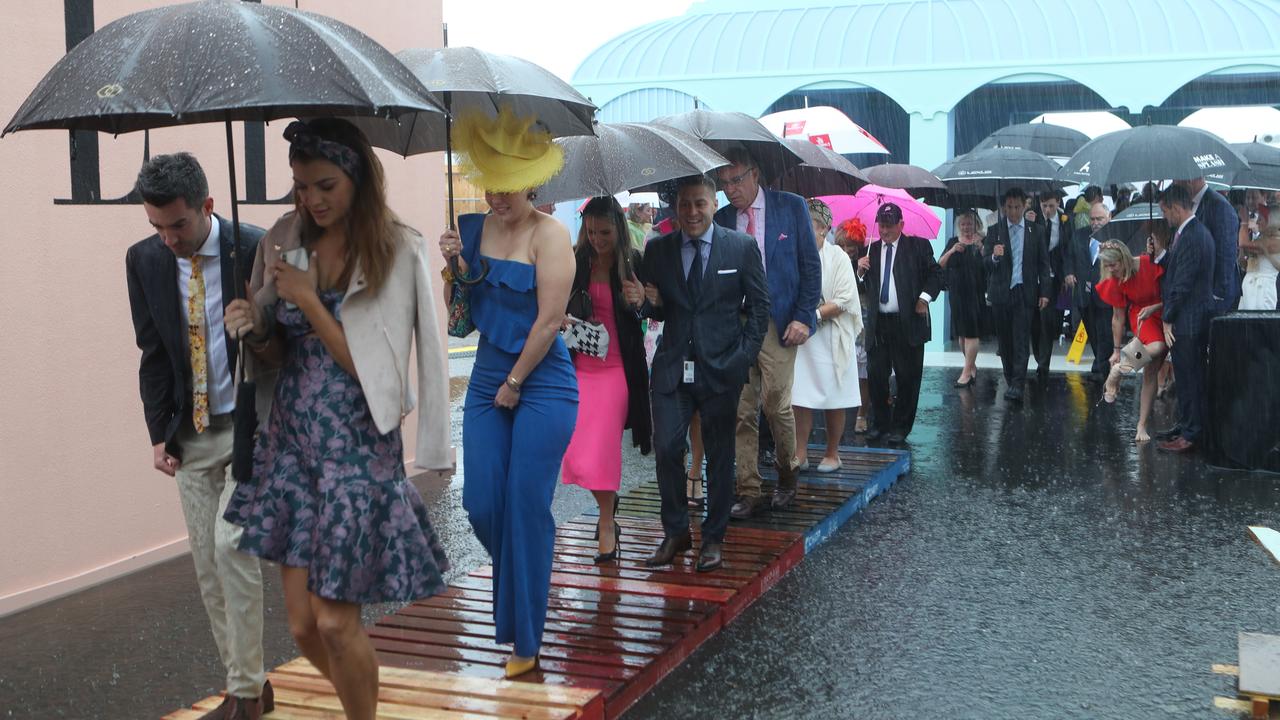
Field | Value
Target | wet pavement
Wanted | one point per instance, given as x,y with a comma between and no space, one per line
1034,564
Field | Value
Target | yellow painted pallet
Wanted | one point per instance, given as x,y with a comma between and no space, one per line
301,693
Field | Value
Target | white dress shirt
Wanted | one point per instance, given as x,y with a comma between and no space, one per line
222,396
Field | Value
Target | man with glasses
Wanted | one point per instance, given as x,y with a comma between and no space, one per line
779,223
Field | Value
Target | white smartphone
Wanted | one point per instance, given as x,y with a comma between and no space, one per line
299,258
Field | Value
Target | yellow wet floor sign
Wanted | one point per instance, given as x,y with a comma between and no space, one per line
1077,346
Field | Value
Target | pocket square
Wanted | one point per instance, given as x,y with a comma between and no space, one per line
727,272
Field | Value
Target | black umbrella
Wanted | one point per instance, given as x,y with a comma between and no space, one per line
918,182
726,130
1148,153
626,156
1044,138
1127,226
823,172
1263,172
977,179
470,79
216,60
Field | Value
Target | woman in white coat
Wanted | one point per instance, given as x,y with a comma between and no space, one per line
826,374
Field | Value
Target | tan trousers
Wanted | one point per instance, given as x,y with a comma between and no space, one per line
230,581
768,387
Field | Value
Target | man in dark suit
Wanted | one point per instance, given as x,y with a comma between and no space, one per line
1223,223
179,281
780,225
1083,274
706,284
1047,323
1189,304
1017,285
902,278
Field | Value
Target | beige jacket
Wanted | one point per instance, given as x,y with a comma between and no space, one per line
380,332
840,286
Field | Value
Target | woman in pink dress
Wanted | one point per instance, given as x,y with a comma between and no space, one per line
613,391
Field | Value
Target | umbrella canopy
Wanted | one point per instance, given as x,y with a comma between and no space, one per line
918,219
823,172
1236,124
825,126
1129,226
215,60
1151,152
724,131
1042,137
470,79
975,177
625,156
916,181
1263,172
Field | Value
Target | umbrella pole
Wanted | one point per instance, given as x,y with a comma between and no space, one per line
235,211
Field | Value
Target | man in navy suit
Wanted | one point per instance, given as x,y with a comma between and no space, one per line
1189,304
1047,325
901,278
180,279
1223,223
1017,261
706,285
780,224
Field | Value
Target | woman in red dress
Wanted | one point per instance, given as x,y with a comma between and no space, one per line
1132,287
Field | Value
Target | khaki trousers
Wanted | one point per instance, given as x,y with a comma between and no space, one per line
230,581
769,388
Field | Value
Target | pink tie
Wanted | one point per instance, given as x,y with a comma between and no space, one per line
751,221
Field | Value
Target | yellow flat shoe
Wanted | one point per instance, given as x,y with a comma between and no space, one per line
517,665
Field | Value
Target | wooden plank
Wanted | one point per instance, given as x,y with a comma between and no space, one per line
1269,540
289,698
433,699
1226,669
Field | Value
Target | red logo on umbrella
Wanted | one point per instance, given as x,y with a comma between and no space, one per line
821,141
793,128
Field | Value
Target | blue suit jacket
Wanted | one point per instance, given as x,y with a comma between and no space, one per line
724,329
791,264
1187,286
1223,224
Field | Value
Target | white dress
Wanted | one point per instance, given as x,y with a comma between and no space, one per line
826,370
1259,291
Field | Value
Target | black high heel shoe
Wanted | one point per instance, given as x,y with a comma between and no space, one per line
602,558
595,535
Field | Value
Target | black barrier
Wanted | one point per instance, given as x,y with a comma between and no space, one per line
1242,423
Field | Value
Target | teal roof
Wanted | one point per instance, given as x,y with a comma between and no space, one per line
928,54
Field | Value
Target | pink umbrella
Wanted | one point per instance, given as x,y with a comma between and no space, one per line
918,218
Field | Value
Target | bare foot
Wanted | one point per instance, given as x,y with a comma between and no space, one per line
1142,436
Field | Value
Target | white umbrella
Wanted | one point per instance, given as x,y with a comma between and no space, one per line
1237,124
825,126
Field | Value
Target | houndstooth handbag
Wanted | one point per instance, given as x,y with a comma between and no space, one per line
588,338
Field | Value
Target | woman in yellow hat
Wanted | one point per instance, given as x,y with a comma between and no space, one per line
522,400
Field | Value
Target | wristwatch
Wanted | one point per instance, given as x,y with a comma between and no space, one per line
513,383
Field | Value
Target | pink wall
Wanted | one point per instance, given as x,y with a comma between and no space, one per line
79,501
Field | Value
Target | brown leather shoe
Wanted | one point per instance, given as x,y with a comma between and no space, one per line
710,557
746,507
1177,445
238,708
668,550
782,499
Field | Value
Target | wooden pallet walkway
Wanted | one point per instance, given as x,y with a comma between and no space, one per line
613,631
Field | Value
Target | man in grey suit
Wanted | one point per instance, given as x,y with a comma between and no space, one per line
706,284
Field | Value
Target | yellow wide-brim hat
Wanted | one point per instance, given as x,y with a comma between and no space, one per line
505,153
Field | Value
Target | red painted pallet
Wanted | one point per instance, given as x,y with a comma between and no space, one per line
613,631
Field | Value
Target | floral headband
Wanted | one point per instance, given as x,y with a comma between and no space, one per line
820,211
303,140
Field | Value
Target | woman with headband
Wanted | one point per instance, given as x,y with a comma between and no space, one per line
1132,288
340,291
522,400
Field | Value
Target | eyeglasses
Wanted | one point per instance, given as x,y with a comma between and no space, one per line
728,182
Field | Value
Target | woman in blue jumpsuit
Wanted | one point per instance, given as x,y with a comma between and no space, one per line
521,404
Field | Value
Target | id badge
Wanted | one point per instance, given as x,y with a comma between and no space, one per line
688,372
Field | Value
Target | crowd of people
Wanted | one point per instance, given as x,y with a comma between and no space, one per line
700,334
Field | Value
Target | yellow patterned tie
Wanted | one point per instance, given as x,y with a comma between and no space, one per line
196,341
